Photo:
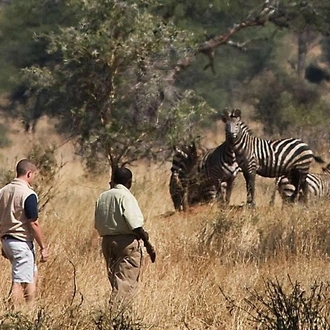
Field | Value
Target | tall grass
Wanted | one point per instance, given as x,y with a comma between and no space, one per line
213,264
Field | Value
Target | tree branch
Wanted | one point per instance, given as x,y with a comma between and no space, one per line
208,48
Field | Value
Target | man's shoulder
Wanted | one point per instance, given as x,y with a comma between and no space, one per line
113,192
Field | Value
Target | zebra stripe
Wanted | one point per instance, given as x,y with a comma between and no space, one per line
217,171
182,180
211,179
318,185
177,192
267,158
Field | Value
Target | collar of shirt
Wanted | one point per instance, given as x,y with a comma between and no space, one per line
20,181
120,186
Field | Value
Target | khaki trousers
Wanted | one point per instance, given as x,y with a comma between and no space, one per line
123,256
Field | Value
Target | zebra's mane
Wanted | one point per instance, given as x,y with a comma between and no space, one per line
246,129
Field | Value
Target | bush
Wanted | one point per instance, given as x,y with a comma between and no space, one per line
279,308
47,181
287,106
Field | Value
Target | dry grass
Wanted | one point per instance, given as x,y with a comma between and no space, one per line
203,255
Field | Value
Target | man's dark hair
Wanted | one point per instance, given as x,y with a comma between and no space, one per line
122,175
24,166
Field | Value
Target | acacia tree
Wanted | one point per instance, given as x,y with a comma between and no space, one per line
110,88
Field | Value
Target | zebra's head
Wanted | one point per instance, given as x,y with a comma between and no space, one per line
184,159
285,187
232,120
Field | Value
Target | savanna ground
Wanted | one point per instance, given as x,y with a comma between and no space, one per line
212,263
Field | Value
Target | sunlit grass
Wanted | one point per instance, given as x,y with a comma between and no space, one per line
201,254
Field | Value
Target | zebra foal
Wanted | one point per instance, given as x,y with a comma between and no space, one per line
268,158
217,171
318,185
202,176
182,180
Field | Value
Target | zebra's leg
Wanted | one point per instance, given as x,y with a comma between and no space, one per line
229,189
185,203
295,179
303,196
177,200
273,196
178,204
220,191
194,194
250,187
209,192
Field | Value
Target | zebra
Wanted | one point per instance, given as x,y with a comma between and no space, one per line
318,185
202,176
217,171
268,158
182,177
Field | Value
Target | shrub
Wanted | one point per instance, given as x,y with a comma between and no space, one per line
278,308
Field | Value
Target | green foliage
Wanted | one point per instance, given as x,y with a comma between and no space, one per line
326,49
190,113
233,65
104,68
284,103
301,14
47,181
21,23
111,87
6,176
209,17
4,140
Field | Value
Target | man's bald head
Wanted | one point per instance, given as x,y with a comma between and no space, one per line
122,175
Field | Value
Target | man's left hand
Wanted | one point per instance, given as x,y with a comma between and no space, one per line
152,253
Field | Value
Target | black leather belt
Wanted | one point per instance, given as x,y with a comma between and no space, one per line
8,237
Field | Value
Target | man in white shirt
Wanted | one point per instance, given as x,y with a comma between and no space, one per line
119,221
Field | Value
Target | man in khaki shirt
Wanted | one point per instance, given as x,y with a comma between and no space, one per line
119,221
19,228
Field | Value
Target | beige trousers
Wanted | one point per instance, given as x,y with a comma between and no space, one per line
123,256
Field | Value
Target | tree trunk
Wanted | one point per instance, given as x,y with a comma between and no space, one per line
302,53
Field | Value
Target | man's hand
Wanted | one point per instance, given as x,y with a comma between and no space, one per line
152,253
44,254
3,253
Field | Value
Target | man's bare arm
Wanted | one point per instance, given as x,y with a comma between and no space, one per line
37,234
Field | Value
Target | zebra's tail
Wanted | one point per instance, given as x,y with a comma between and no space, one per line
318,159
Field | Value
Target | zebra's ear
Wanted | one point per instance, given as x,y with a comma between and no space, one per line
193,148
237,113
225,115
